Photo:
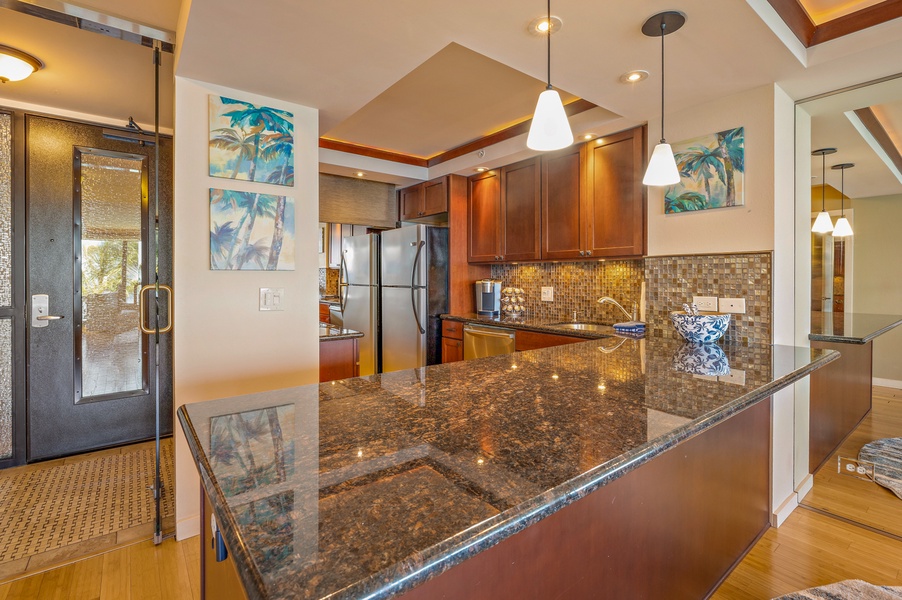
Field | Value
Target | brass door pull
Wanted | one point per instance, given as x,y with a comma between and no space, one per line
141,307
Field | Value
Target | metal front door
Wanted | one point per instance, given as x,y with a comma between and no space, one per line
89,251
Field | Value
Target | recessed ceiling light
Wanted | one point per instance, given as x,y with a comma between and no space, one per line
539,25
588,136
360,174
481,169
634,76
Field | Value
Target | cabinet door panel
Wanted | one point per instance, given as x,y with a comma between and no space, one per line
521,210
616,196
411,202
435,197
452,350
563,199
484,217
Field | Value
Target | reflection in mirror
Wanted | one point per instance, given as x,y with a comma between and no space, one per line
854,278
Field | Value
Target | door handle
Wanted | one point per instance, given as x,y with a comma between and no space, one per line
141,307
40,306
49,318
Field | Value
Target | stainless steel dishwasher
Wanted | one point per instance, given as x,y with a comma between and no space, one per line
483,340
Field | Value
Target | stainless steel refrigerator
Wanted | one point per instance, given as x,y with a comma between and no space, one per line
359,293
414,264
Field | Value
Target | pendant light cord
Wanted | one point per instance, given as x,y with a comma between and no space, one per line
548,35
842,192
663,27
823,181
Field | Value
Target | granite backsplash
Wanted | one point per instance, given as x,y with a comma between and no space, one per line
669,282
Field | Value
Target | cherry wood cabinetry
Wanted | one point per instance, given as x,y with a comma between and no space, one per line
410,202
615,198
424,199
533,340
564,221
484,217
325,316
338,359
452,341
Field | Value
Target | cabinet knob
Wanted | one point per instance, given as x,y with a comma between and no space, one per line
588,253
582,253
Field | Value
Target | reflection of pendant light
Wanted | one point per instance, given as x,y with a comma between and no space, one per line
662,169
550,129
16,65
823,223
843,228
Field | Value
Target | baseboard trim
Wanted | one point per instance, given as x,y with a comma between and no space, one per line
890,383
187,528
803,488
784,510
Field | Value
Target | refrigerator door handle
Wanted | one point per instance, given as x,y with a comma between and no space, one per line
416,264
413,289
416,316
342,284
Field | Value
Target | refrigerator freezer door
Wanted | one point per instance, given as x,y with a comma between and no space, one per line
401,250
362,313
403,342
359,265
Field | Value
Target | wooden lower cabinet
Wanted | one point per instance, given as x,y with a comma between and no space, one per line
338,359
324,315
452,341
531,340
218,580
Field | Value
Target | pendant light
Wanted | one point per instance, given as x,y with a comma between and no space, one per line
823,223
16,65
662,169
843,228
550,129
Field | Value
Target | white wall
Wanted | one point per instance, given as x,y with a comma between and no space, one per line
736,229
225,346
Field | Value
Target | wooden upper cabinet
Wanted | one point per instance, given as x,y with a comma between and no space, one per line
563,204
521,206
423,200
615,196
484,217
410,202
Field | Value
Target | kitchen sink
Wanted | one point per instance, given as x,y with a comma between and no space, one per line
584,326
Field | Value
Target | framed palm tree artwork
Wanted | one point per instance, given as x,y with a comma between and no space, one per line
712,173
250,231
251,143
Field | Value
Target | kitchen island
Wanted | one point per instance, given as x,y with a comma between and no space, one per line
572,471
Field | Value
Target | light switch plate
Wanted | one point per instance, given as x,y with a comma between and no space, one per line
547,294
732,305
706,303
272,298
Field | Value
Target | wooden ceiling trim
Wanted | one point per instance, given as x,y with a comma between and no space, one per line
360,150
796,18
856,21
876,129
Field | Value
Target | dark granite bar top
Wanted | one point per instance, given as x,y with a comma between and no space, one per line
328,333
367,487
850,328
528,323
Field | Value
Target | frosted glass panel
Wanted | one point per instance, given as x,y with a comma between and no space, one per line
6,209
111,200
6,388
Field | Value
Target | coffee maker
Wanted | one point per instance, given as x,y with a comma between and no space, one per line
488,297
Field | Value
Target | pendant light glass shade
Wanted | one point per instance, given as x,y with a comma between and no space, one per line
550,129
823,223
662,168
843,228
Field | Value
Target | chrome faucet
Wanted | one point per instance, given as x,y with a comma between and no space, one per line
609,300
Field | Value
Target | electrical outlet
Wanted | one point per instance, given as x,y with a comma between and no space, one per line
732,305
855,468
547,294
707,303
736,376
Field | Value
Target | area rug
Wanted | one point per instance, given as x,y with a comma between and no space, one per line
851,589
886,454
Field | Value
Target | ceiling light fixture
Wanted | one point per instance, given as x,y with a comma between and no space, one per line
16,65
634,76
360,174
843,227
481,169
662,169
823,223
550,129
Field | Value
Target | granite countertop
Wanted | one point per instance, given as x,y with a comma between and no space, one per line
528,323
850,328
366,487
330,332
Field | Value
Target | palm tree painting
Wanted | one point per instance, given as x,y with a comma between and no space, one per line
249,142
250,231
712,172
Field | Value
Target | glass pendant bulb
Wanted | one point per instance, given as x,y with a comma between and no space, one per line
823,223
843,228
550,129
662,168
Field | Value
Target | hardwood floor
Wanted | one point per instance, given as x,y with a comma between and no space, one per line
168,571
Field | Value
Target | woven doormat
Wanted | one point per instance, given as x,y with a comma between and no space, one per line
851,589
886,454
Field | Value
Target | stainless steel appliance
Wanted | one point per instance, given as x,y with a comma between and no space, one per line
488,297
414,267
482,340
359,292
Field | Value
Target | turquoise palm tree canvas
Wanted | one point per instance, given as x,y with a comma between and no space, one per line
250,231
712,172
249,142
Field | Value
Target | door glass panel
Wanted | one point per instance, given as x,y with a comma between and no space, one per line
6,213
6,388
112,196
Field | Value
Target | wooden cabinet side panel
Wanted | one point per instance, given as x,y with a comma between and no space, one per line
338,359
484,217
563,199
219,580
521,206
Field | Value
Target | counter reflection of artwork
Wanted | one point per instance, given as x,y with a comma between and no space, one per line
712,172
251,231
250,450
252,143
269,521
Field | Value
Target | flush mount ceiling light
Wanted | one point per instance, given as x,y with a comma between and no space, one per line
16,65
662,169
550,129
843,228
823,223
634,76
360,174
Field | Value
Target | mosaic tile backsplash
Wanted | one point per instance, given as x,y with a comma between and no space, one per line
670,281
328,282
